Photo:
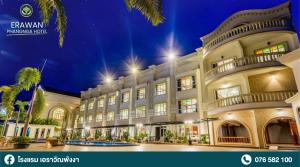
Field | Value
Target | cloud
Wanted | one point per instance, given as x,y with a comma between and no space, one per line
7,55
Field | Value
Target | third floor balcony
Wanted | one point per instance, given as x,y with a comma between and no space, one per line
242,64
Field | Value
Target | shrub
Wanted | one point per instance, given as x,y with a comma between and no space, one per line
203,138
21,140
168,135
126,136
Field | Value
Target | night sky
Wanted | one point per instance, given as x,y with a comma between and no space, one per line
102,35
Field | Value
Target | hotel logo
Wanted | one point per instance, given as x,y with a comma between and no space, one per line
26,10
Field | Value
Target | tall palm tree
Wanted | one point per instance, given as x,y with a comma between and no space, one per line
21,105
151,9
27,78
9,94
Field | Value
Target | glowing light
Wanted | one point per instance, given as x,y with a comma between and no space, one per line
133,68
139,125
273,77
108,78
87,128
188,122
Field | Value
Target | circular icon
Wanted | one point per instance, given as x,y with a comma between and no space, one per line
246,159
9,159
26,10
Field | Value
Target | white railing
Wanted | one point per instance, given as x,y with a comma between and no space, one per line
254,27
251,98
244,61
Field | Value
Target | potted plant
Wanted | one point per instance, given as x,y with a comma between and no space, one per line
21,142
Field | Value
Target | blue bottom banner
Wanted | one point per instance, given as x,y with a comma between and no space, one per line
153,159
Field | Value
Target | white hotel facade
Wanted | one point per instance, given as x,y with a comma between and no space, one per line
232,89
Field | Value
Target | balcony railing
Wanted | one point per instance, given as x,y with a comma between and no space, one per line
241,64
233,139
251,98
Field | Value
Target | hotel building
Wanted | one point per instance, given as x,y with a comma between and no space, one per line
233,89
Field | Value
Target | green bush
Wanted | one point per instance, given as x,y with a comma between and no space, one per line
168,135
45,121
203,138
21,140
126,136
98,134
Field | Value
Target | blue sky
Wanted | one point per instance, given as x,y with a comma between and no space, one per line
102,34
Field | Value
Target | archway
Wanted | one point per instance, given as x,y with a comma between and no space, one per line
233,132
281,131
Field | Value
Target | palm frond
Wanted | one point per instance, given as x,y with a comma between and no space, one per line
151,9
61,20
27,77
46,9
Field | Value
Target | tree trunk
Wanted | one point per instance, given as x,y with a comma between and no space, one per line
4,126
29,112
17,121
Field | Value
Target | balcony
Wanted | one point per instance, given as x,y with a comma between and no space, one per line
233,139
248,29
251,101
242,64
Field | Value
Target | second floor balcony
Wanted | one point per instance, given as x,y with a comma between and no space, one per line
242,64
274,99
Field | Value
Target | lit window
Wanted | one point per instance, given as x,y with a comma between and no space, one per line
160,89
140,112
110,116
58,114
124,114
141,93
90,118
125,97
278,48
227,92
101,102
81,119
186,83
91,105
160,109
187,106
98,117
112,100
82,107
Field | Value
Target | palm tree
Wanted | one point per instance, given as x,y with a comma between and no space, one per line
21,105
151,9
9,94
27,78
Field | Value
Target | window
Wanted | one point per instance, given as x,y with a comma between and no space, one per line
160,89
186,83
140,112
82,107
98,117
58,114
101,102
110,116
91,105
141,93
124,114
90,118
125,97
228,92
112,100
278,48
187,106
160,109
81,120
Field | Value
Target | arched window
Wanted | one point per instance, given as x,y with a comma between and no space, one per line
58,114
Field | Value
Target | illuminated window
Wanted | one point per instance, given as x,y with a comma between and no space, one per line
160,109
110,116
125,97
228,92
160,89
101,102
90,118
187,106
91,105
81,120
124,114
112,100
98,117
186,83
141,93
278,48
140,112
58,114
82,107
